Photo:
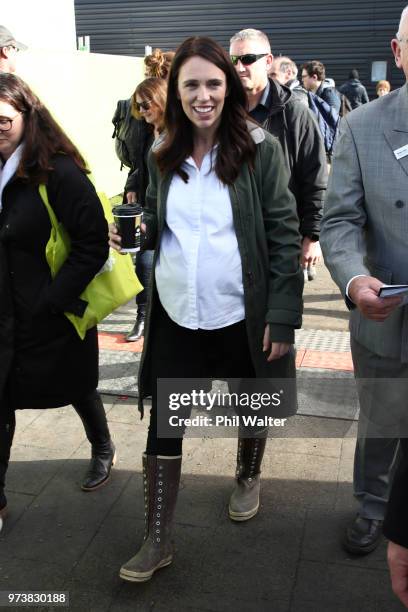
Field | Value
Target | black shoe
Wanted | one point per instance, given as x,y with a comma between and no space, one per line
137,331
100,467
362,536
6,440
3,505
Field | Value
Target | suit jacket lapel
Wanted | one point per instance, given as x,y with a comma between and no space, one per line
397,136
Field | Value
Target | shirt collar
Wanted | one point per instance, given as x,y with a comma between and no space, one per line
190,161
9,168
265,94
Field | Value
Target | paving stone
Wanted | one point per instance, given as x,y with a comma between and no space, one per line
303,479
116,540
348,587
82,598
24,418
17,504
54,429
369,605
321,447
31,468
256,557
62,521
19,573
126,412
202,501
130,502
320,340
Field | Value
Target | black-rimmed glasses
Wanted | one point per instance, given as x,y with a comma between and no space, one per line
6,123
142,105
247,59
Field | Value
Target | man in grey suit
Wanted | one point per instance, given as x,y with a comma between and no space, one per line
364,239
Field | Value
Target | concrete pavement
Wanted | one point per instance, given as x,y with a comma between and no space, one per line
287,559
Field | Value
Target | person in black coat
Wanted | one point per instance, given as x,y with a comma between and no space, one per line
354,90
275,107
44,363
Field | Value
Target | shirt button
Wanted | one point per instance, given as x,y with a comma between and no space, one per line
399,204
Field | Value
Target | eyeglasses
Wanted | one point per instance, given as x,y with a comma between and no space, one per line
247,59
16,49
142,105
6,123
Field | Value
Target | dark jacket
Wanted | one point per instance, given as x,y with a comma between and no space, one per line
50,365
299,93
296,128
138,178
6,328
355,92
266,227
329,95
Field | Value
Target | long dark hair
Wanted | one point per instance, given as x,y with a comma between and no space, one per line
235,145
43,137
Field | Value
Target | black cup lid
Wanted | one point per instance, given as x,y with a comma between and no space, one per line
126,210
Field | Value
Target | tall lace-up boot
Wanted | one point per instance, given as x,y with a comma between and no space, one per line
161,478
244,501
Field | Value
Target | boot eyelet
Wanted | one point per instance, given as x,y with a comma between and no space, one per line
158,523
159,507
158,515
160,484
160,490
157,539
159,499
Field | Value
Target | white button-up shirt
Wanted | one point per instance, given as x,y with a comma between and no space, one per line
198,270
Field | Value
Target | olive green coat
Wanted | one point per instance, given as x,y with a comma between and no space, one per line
267,230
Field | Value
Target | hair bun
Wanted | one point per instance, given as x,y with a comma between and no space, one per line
158,63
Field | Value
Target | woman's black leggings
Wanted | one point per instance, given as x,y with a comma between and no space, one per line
178,352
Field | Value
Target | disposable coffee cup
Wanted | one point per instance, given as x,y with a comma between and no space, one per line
128,219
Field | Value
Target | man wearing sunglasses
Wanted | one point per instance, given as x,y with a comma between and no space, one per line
272,105
9,47
276,109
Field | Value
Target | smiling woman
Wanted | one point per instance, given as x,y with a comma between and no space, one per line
227,286
202,99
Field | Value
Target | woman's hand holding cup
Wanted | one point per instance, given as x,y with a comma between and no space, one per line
114,237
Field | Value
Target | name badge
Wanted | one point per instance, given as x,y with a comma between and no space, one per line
401,152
